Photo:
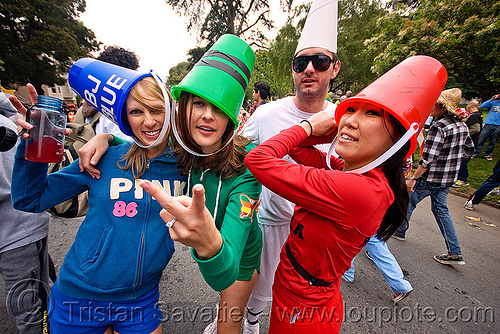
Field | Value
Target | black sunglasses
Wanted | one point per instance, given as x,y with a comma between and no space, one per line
320,62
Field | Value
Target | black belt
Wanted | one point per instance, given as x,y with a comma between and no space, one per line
302,272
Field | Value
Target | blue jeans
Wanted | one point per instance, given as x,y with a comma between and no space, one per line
439,208
386,263
490,183
463,173
489,132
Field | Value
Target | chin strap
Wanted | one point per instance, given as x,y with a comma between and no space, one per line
414,128
168,111
175,131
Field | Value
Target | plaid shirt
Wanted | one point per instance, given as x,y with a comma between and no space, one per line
448,143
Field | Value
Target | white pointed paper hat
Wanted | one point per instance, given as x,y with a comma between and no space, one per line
320,29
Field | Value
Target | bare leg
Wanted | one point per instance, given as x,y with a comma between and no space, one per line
233,301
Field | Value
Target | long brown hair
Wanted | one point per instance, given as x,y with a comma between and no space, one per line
227,163
145,92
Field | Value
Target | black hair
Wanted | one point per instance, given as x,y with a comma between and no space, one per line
263,88
119,56
393,171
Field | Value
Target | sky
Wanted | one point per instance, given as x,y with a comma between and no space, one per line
151,29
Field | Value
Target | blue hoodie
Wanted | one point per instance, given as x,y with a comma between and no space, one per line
123,245
493,116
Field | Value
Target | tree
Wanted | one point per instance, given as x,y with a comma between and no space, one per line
464,35
40,40
282,50
357,23
178,72
213,19
196,54
265,70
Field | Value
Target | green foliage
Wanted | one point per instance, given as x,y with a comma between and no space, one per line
463,34
265,71
195,54
177,73
357,23
274,65
40,40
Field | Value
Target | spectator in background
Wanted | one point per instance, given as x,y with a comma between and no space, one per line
491,128
347,95
378,252
446,145
71,112
24,260
117,56
475,124
484,189
261,92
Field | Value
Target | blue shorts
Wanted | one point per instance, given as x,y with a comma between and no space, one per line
83,316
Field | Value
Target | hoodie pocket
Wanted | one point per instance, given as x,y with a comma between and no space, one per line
95,251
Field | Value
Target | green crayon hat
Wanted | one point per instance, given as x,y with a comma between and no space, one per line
221,76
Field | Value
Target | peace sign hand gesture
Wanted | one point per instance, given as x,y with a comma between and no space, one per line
194,225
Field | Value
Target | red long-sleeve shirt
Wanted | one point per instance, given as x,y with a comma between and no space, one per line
335,213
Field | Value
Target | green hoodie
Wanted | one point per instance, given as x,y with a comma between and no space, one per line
235,199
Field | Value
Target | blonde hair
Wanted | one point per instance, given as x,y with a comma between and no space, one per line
146,91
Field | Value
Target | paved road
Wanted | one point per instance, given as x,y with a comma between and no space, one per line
446,299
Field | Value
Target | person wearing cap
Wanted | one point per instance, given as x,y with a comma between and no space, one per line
447,144
116,261
377,130
224,193
313,67
491,128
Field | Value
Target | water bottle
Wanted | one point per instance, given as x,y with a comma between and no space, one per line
46,139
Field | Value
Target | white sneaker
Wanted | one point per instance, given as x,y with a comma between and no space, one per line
212,327
469,206
250,329
400,296
494,192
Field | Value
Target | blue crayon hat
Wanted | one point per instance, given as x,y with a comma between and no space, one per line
105,86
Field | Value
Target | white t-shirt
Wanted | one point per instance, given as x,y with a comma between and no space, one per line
105,125
269,120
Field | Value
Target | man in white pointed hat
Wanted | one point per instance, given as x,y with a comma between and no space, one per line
314,65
